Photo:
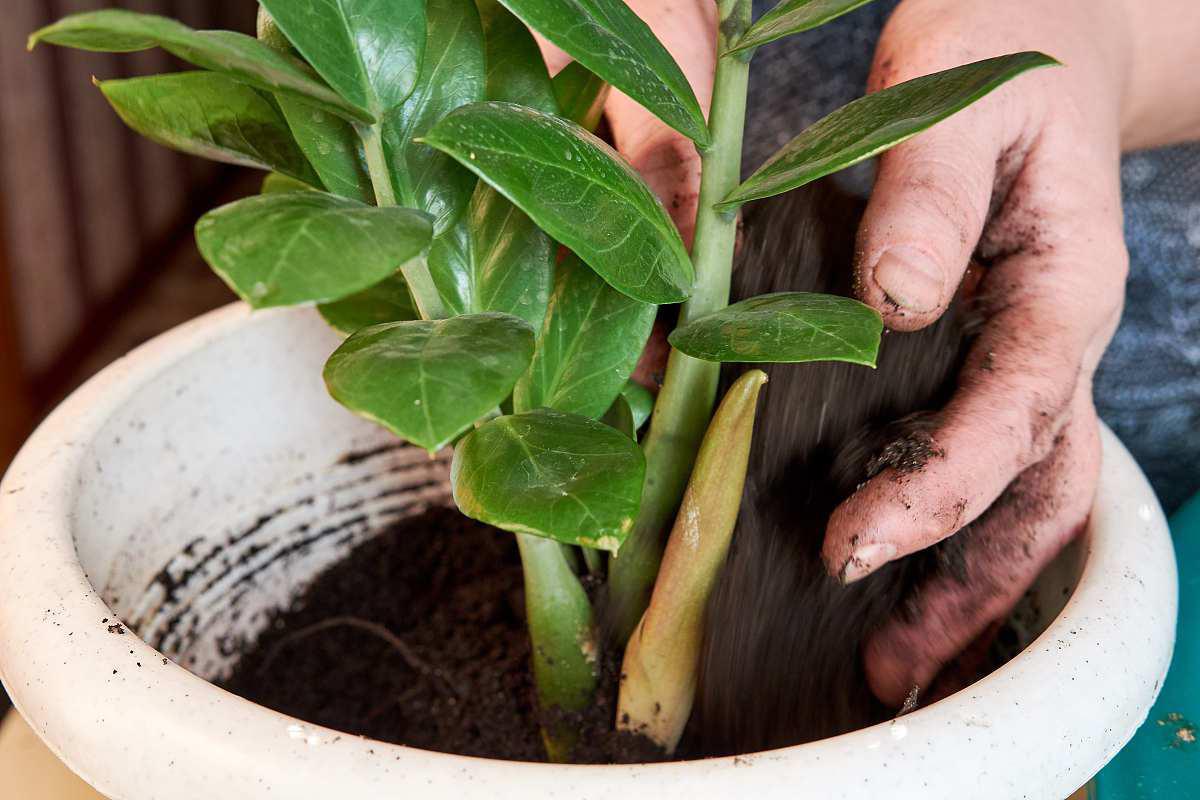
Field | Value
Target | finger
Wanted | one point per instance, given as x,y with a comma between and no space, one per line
1003,553
924,218
652,364
1053,313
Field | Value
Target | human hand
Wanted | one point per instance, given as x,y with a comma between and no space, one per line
1028,179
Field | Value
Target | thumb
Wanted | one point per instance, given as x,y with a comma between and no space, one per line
924,219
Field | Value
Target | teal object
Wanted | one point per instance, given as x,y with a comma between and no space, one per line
1162,761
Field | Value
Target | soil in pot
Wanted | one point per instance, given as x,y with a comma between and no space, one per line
418,637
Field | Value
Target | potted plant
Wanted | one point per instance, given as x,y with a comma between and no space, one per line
424,171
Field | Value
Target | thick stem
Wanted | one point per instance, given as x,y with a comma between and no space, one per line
416,270
689,390
565,650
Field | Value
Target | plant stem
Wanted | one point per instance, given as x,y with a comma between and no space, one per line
565,650
416,270
689,390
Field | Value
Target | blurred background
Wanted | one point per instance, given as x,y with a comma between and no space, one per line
96,248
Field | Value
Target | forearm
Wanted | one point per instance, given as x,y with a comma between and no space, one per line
1162,100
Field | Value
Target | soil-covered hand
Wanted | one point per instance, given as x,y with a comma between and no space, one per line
1027,182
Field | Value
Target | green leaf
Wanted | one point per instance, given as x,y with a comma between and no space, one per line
793,16
590,343
369,51
577,189
452,75
332,147
610,40
551,474
209,115
494,259
428,381
581,95
329,142
620,416
302,247
387,301
234,54
786,327
872,124
641,403
275,183
516,71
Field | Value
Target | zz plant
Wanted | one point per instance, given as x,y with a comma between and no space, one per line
424,171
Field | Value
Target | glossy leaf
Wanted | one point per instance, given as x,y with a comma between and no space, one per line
641,403
332,147
329,142
494,259
369,51
387,301
234,54
610,40
581,95
516,71
302,247
794,16
620,416
275,183
428,381
577,189
785,327
590,343
212,116
872,124
452,75
551,474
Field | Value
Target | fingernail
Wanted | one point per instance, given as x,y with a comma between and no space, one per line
866,560
909,278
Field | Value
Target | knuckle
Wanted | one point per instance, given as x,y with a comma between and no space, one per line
948,184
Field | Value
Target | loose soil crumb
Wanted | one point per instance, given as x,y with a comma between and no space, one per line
419,638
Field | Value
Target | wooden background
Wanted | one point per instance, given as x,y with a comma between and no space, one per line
96,250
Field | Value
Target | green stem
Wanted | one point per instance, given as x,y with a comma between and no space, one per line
416,270
685,403
565,650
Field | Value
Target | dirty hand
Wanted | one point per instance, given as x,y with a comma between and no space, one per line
1028,181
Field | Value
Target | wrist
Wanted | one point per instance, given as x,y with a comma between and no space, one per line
1161,101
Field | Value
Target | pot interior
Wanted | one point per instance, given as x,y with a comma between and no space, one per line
216,492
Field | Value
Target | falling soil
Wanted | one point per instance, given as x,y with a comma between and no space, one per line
418,637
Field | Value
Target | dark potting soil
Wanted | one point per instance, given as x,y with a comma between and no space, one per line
418,637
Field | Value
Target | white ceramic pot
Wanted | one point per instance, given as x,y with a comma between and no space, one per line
203,480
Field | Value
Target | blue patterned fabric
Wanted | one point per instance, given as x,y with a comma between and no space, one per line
1148,386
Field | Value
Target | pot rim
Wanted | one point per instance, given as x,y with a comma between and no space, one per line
1122,609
